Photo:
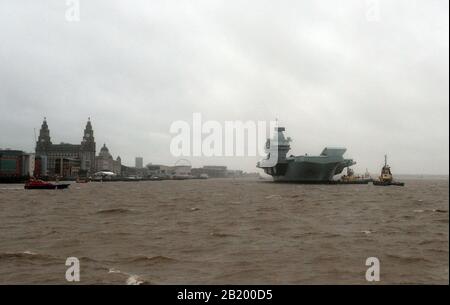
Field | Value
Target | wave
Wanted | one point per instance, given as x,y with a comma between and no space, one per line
114,211
222,235
25,255
440,211
433,210
158,259
112,270
134,280
86,259
131,279
439,251
29,256
407,259
274,196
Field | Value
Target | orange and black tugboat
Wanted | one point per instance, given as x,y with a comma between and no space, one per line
386,177
37,184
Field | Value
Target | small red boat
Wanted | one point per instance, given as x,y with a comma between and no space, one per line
36,184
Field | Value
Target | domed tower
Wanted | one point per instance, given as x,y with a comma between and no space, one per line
104,152
44,143
87,150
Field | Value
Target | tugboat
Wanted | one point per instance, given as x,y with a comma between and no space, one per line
386,177
37,184
351,178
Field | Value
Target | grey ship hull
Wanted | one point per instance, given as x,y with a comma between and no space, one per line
308,172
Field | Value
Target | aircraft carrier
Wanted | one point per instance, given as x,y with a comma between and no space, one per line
301,169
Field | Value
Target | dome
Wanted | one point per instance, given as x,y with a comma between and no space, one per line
104,148
104,152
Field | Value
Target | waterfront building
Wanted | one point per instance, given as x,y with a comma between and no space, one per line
81,157
132,171
105,162
213,171
158,170
234,173
67,167
181,170
40,166
16,165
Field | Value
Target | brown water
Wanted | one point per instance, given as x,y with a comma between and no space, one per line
220,231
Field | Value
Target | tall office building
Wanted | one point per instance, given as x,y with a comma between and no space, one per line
139,162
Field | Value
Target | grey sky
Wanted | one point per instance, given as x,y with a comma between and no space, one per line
333,76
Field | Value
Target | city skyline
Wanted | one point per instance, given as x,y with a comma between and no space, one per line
147,161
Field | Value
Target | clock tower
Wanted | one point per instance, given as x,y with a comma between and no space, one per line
87,150
44,143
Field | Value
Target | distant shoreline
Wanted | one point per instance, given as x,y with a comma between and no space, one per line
424,177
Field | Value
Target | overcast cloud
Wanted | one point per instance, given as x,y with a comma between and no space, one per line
330,74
